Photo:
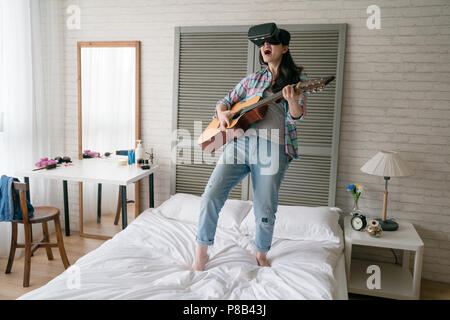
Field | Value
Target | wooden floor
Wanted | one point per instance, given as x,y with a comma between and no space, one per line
107,226
42,271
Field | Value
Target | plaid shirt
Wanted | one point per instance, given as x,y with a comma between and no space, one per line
254,85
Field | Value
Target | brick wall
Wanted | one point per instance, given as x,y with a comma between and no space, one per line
396,95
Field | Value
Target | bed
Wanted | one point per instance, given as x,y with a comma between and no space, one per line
152,258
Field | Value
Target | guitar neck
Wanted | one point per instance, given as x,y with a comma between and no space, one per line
265,101
306,86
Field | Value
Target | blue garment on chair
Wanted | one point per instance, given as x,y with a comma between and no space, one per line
10,206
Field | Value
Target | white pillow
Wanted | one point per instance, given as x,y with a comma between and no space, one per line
186,208
301,223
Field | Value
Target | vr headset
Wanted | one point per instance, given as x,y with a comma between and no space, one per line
268,32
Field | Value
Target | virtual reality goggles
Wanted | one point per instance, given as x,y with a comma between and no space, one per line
268,32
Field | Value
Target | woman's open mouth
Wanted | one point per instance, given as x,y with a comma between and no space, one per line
267,52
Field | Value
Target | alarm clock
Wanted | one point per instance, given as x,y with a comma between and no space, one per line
358,222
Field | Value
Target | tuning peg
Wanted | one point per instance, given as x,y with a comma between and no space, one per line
314,90
320,89
308,93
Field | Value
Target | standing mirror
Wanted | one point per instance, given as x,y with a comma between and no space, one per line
108,121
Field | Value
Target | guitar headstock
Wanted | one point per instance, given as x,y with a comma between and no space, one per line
314,86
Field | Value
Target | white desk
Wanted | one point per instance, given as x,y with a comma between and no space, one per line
97,171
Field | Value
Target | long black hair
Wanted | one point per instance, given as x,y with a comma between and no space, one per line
288,71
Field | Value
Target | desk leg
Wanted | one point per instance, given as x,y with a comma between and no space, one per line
66,208
124,206
27,181
99,203
151,191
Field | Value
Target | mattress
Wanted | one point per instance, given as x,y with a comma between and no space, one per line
152,259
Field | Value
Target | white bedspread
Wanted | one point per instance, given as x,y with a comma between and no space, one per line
152,257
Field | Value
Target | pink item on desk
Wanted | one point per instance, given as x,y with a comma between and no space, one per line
45,162
91,154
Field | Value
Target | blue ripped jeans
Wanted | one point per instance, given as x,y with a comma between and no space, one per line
267,162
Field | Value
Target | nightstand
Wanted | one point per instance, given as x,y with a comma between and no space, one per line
397,282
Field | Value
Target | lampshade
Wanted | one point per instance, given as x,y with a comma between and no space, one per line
387,164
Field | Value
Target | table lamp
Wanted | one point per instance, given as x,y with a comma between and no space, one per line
387,164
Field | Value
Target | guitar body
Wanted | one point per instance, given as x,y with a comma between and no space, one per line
213,138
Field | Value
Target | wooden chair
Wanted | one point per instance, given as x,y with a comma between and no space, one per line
119,207
41,215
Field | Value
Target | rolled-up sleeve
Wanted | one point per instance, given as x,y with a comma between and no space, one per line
235,95
302,102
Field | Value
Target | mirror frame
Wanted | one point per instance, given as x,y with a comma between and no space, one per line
85,44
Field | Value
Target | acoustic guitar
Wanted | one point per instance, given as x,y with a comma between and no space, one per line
249,112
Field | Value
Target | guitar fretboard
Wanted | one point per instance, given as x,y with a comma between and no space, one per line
304,86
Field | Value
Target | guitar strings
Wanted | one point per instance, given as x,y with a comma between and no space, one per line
266,100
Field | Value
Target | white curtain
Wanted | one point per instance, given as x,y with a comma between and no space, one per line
30,103
108,113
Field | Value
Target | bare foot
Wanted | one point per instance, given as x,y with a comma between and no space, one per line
200,262
262,259
201,258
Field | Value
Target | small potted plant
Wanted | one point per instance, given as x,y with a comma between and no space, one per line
356,190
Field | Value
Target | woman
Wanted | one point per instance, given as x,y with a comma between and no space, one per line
275,133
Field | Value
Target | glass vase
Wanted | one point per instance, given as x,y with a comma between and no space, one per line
355,206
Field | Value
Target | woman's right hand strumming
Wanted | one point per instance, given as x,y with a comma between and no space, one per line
224,116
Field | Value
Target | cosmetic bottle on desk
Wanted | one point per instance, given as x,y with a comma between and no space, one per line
139,152
131,157
148,163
